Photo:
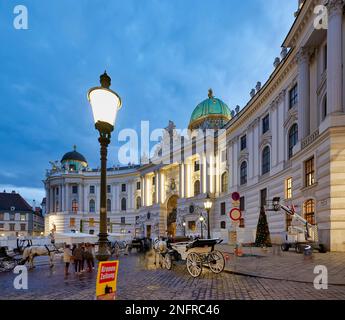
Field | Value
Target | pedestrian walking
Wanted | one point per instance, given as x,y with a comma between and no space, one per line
78,257
67,258
89,257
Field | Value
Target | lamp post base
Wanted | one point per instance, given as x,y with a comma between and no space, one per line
103,253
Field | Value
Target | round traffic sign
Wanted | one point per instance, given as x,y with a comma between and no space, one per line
235,214
235,196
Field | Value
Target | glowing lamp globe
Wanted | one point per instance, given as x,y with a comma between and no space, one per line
105,104
208,203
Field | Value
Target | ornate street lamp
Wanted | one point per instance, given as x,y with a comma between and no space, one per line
105,104
202,219
208,206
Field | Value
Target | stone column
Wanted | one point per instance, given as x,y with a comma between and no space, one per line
208,174
181,182
61,198
67,208
303,93
235,154
158,187
51,190
142,191
202,173
186,179
334,56
80,197
47,199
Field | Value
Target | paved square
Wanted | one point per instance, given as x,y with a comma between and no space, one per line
138,279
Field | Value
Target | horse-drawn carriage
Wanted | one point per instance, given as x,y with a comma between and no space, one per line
8,260
196,254
140,244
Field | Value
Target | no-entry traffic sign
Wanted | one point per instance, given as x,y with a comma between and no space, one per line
235,214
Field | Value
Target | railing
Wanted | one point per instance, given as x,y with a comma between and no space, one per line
310,139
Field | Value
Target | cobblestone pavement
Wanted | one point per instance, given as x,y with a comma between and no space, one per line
275,264
138,279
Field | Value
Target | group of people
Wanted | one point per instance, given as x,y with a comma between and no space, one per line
79,255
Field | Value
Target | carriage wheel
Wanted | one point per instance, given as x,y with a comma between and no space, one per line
8,265
168,262
194,264
216,262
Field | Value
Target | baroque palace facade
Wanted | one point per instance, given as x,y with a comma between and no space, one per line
287,142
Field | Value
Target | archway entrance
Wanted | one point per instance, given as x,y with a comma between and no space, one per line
171,216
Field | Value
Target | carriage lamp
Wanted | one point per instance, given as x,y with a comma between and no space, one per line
105,104
208,206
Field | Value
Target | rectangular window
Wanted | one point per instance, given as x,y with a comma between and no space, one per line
22,227
2,217
223,209
293,96
192,226
123,220
57,191
309,172
242,204
266,124
12,226
92,189
123,187
196,166
153,181
138,185
243,142
12,216
75,189
22,217
72,222
2,225
288,188
91,222
108,188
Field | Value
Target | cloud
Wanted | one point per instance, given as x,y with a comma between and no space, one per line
29,194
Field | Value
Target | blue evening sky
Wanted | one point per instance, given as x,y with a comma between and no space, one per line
162,55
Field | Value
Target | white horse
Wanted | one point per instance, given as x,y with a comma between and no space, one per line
30,253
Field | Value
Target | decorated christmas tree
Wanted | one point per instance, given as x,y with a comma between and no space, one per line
262,232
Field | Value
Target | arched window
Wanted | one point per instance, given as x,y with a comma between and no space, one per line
223,225
92,205
309,211
324,110
123,204
293,139
266,160
74,205
225,182
108,205
138,203
243,172
196,188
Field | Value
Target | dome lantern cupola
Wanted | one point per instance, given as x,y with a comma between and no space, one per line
212,113
73,160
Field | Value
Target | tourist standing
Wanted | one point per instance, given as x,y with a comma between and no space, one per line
67,257
78,258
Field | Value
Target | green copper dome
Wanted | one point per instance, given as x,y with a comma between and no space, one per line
210,114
